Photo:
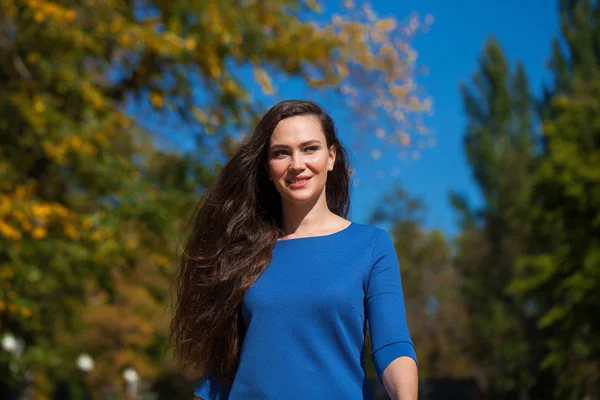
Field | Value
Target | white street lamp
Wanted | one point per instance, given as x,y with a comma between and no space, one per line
9,343
132,378
85,362
12,345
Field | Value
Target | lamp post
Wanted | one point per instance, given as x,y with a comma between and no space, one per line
12,345
15,347
132,380
85,362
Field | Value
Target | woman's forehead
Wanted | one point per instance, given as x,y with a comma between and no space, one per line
297,130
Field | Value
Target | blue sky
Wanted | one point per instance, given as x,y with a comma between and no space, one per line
451,50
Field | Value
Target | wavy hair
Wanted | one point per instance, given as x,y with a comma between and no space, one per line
233,231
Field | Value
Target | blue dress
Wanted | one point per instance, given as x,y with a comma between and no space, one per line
307,316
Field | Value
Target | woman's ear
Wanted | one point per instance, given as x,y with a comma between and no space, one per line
332,154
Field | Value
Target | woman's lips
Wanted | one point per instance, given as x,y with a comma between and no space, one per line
298,183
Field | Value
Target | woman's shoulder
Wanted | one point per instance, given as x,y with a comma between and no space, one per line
369,230
365,235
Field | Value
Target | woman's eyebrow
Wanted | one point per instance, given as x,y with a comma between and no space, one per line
301,144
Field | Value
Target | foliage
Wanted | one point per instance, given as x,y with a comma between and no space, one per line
561,272
529,257
499,146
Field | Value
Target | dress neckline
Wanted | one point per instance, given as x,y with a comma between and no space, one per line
318,236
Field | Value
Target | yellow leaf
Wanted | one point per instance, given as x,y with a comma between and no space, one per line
157,100
264,80
8,231
41,210
200,115
229,86
399,91
342,69
385,25
404,139
131,244
377,36
38,106
33,57
76,143
26,226
87,223
70,15
386,50
71,232
162,260
190,44
39,233
313,5
96,236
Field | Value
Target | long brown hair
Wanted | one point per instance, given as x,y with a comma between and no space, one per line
234,228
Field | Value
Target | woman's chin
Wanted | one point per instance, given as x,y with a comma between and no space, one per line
298,196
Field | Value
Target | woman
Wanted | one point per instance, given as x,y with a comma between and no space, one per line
276,287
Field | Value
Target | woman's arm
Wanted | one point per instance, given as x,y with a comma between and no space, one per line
401,379
393,351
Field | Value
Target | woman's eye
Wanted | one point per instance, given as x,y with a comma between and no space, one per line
283,153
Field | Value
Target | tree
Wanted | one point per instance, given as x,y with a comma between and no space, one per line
91,207
499,145
437,318
561,271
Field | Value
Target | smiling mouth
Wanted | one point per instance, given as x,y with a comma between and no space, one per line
297,181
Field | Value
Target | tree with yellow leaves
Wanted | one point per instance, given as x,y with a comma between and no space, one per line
90,207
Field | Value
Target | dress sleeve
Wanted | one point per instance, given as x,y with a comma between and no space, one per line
384,306
209,389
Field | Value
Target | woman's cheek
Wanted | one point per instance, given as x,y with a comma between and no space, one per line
275,169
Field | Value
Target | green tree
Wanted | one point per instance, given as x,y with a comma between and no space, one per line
561,272
499,145
436,315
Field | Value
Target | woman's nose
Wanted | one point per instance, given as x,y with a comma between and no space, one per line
297,163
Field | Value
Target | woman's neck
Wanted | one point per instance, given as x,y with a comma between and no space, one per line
299,221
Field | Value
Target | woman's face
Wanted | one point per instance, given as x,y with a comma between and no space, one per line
298,158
